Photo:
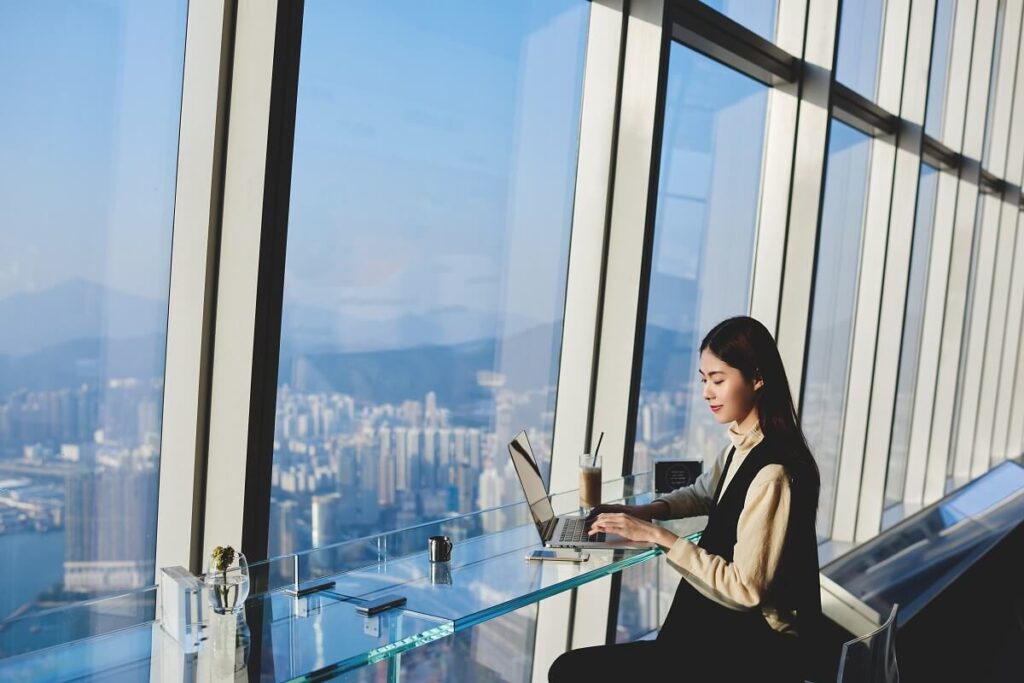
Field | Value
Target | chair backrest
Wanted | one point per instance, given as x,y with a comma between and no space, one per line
872,657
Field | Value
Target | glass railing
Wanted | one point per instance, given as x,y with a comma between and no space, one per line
321,633
49,627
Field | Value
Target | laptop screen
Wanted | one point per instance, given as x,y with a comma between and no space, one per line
529,477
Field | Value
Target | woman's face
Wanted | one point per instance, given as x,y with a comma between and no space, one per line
727,392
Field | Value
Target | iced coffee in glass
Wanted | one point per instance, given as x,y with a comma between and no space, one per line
590,481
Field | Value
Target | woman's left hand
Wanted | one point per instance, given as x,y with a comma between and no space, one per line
632,528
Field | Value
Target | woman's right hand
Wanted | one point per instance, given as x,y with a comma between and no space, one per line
644,512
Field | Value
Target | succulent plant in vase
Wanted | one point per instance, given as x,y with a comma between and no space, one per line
227,579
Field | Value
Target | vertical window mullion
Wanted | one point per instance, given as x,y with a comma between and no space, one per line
192,291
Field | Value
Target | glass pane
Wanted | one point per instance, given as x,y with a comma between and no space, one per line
432,188
917,559
706,218
976,330
757,15
496,651
705,224
835,286
938,77
88,153
913,320
860,42
994,81
961,375
639,602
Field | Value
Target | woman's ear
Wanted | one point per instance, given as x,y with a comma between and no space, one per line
758,383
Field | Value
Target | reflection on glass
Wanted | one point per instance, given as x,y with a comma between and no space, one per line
435,156
915,560
496,650
860,41
702,260
938,76
703,246
704,240
757,15
88,150
835,284
645,597
913,321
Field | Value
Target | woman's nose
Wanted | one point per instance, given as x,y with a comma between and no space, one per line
707,392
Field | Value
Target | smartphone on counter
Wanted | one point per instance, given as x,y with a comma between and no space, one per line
558,555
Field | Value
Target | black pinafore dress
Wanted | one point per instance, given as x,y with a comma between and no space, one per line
738,644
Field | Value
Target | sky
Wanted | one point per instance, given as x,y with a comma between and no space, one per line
434,164
88,142
435,157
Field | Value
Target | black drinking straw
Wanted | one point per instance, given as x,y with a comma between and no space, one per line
598,446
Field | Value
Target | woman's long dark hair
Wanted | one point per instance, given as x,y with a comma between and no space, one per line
745,344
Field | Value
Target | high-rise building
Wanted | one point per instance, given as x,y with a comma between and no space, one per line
402,464
325,518
444,451
109,539
386,469
283,536
461,452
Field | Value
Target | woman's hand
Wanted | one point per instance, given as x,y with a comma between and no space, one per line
631,528
655,510
631,510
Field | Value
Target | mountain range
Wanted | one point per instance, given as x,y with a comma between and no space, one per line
74,310
81,332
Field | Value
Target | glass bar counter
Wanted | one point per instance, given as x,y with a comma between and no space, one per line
316,635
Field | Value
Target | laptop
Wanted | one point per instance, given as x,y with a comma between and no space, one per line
557,532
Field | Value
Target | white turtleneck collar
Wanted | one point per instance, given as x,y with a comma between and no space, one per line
746,441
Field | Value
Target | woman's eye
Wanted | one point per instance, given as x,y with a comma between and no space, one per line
719,381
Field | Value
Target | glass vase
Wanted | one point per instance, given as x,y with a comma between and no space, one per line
227,589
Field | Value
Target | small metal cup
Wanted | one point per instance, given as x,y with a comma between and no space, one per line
439,549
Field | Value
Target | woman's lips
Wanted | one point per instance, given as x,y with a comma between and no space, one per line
715,409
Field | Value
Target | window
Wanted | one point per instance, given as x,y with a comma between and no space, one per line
976,330
432,187
860,41
703,247
88,152
709,187
832,310
993,82
757,15
913,321
961,374
938,76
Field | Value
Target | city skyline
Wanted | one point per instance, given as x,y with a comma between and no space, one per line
413,444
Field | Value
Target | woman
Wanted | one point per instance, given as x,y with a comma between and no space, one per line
748,600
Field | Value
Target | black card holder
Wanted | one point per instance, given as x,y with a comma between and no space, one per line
670,475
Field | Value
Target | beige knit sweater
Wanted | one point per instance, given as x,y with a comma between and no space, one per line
741,584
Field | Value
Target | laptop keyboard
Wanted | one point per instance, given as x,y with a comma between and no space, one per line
574,530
